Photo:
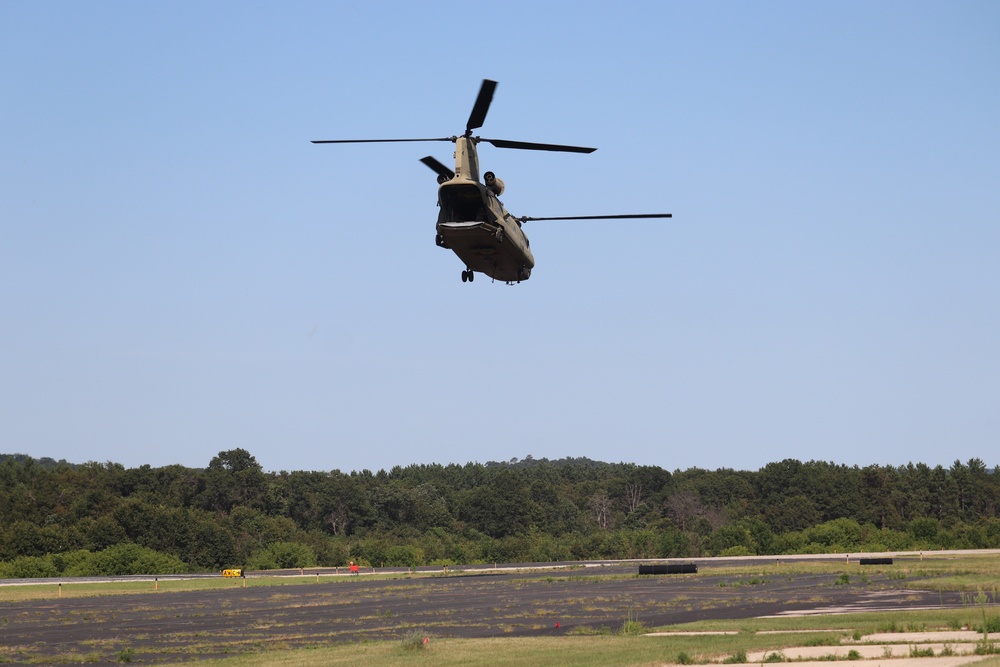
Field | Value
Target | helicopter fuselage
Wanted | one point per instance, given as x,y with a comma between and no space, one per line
474,224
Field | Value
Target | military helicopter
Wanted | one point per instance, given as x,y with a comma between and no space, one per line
473,222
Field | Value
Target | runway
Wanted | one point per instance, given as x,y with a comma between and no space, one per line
170,626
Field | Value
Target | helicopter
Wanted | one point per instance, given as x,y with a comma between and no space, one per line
472,221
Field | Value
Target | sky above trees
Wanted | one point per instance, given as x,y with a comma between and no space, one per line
182,272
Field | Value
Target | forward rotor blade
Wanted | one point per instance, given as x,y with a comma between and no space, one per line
599,217
529,146
438,167
478,115
378,141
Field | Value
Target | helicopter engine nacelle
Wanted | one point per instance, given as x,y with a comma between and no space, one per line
493,183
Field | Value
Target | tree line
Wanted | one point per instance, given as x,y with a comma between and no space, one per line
58,518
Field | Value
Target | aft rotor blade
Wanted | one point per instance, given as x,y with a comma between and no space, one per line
378,141
482,105
600,217
530,146
438,167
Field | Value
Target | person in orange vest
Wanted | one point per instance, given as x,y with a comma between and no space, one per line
354,568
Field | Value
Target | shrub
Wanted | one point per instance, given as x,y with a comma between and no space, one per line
282,555
632,625
836,535
404,555
985,648
123,559
71,562
28,567
415,641
738,550
738,658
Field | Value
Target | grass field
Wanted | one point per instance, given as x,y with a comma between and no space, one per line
961,573
580,651
624,644
79,590
569,651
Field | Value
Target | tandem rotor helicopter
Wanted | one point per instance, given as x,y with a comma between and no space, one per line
473,222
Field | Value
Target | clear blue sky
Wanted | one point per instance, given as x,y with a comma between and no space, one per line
182,272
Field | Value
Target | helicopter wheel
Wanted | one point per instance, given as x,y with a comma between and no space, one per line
467,276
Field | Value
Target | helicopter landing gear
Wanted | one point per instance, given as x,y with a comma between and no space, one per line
467,276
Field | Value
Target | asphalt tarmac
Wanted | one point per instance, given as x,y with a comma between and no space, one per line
191,625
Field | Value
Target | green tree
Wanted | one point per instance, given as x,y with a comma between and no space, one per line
726,538
283,555
234,478
674,544
925,530
836,535
500,508
104,532
25,538
793,512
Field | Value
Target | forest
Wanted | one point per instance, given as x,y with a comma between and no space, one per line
64,519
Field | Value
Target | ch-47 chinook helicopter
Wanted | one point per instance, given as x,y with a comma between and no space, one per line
473,222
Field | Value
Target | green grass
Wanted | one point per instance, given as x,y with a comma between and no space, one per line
598,651
972,582
594,651
76,590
